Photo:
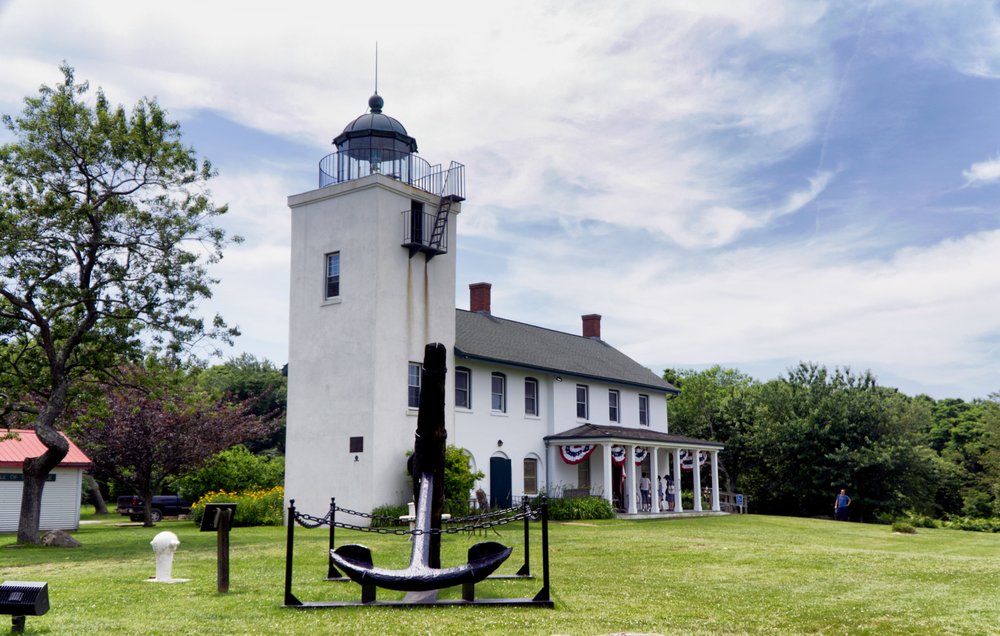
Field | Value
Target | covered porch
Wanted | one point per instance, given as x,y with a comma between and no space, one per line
623,462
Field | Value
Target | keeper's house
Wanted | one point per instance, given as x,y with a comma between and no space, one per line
62,494
373,278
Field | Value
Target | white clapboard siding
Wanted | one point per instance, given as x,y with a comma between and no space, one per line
60,500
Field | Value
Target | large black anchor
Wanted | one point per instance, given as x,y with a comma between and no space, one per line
427,467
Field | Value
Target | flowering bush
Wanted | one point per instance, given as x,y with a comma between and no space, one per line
253,507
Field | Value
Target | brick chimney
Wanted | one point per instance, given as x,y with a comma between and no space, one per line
479,297
592,326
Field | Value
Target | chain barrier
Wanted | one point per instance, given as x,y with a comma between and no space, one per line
309,521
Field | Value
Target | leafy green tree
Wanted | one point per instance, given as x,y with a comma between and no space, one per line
159,425
817,431
248,378
106,227
710,406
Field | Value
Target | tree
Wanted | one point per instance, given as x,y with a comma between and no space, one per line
817,431
246,377
710,406
106,226
158,426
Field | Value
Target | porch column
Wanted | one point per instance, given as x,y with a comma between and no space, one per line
678,506
630,486
715,480
609,494
654,479
696,473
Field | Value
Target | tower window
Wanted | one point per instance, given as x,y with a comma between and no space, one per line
333,275
417,222
463,388
582,401
499,392
413,385
530,396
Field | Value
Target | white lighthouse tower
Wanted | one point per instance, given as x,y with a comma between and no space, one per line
372,282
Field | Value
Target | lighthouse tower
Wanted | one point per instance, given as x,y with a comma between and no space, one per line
372,282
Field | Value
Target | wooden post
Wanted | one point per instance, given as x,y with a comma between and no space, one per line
225,518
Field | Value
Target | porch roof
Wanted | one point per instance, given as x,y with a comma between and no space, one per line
595,432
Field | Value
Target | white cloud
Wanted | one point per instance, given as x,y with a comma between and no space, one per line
982,173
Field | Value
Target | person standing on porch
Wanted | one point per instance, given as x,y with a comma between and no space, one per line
840,505
644,485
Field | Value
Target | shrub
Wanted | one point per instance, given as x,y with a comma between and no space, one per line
921,521
253,507
234,470
580,508
390,514
904,527
973,524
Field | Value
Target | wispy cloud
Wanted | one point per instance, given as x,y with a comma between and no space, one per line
982,173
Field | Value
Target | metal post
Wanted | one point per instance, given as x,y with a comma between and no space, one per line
543,594
332,573
526,568
289,549
222,549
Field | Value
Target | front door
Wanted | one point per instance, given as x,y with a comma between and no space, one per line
500,485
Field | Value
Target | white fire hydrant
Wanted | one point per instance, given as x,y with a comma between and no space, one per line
164,546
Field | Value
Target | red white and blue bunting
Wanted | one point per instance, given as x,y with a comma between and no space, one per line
640,455
576,453
618,455
687,459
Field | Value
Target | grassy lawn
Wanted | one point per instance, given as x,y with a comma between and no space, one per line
710,575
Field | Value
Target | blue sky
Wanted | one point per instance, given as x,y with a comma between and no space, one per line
744,183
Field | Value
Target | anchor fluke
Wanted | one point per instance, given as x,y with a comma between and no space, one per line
484,559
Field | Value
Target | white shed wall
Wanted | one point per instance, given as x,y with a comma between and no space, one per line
60,500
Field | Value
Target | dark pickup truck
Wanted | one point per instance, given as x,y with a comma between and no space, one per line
163,506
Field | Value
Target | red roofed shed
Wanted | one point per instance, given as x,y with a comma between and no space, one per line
63,491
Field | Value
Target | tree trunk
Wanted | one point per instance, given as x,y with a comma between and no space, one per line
96,497
147,507
36,469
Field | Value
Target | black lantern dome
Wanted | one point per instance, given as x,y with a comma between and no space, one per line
375,131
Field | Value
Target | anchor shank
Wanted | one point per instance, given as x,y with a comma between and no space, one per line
420,553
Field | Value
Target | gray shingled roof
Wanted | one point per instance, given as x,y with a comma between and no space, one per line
480,336
598,432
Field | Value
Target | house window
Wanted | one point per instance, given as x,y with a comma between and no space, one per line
614,399
530,396
463,388
530,476
413,385
333,275
499,393
644,410
582,401
583,474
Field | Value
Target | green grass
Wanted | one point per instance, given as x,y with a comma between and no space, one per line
710,575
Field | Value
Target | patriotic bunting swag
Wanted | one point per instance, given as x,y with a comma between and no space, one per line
687,459
576,453
618,454
640,455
